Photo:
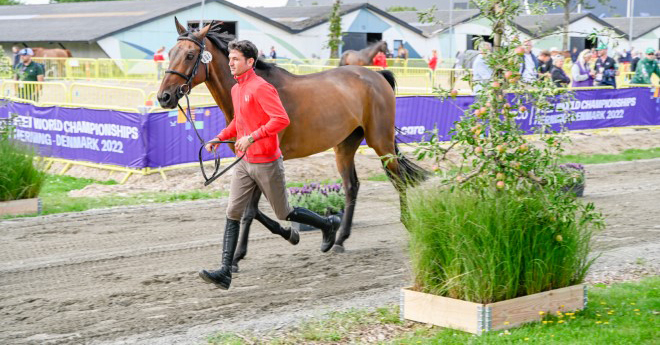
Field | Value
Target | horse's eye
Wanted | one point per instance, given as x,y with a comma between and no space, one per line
190,56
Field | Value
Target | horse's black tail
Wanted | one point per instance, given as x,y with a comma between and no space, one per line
410,174
389,76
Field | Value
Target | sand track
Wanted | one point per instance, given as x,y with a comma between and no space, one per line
128,274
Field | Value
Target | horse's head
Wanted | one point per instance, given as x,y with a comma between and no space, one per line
186,70
383,46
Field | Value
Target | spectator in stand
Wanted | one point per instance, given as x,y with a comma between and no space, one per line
380,60
583,75
433,60
606,69
481,72
545,64
159,58
646,68
557,72
273,53
633,64
530,64
574,54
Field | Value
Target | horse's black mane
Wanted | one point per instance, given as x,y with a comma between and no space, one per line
221,41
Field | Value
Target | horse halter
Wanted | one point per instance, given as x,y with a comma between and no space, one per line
184,89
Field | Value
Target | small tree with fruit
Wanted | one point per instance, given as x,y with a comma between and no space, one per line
498,165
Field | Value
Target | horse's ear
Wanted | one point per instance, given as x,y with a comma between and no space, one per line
204,31
179,28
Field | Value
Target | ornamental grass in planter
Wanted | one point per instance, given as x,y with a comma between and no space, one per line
494,247
498,241
20,177
323,199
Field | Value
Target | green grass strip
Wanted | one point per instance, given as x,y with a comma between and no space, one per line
622,313
55,199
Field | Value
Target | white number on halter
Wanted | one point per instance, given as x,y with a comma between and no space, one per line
206,57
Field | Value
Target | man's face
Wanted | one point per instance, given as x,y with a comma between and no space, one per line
238,64
528,46
650,56
602,52
26,59
544,58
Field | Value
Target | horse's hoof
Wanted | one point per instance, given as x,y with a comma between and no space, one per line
338,248
234,268
294,238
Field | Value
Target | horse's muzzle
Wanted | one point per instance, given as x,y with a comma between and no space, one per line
167,100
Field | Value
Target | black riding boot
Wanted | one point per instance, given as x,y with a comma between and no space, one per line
287,233
328,225
222,277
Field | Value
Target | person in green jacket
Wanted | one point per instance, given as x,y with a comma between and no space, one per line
646,68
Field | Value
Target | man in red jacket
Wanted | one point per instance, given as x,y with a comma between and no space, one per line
258,117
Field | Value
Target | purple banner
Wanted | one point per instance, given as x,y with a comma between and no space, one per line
166,138
593,109
99,136
172,140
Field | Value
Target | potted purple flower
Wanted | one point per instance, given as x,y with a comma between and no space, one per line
575,181
323,199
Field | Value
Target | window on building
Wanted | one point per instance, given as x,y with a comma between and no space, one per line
395,47
229,27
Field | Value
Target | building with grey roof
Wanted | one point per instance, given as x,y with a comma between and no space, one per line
645,31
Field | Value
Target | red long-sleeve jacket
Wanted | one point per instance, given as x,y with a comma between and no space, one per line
258,111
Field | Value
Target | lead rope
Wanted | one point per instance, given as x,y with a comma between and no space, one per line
216,158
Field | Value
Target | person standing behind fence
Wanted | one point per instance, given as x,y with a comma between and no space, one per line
605,68
583,75
433,60
402,52
380,60
30,71
559,77
273,53
545,64
481,72
646,68
530,64
159,58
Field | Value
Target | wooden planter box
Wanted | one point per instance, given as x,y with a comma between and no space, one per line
478,318
19,207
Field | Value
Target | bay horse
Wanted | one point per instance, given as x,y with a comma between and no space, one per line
56,67
337,108
363,57
51,53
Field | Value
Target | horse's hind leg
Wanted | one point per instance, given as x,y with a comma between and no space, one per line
345,157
